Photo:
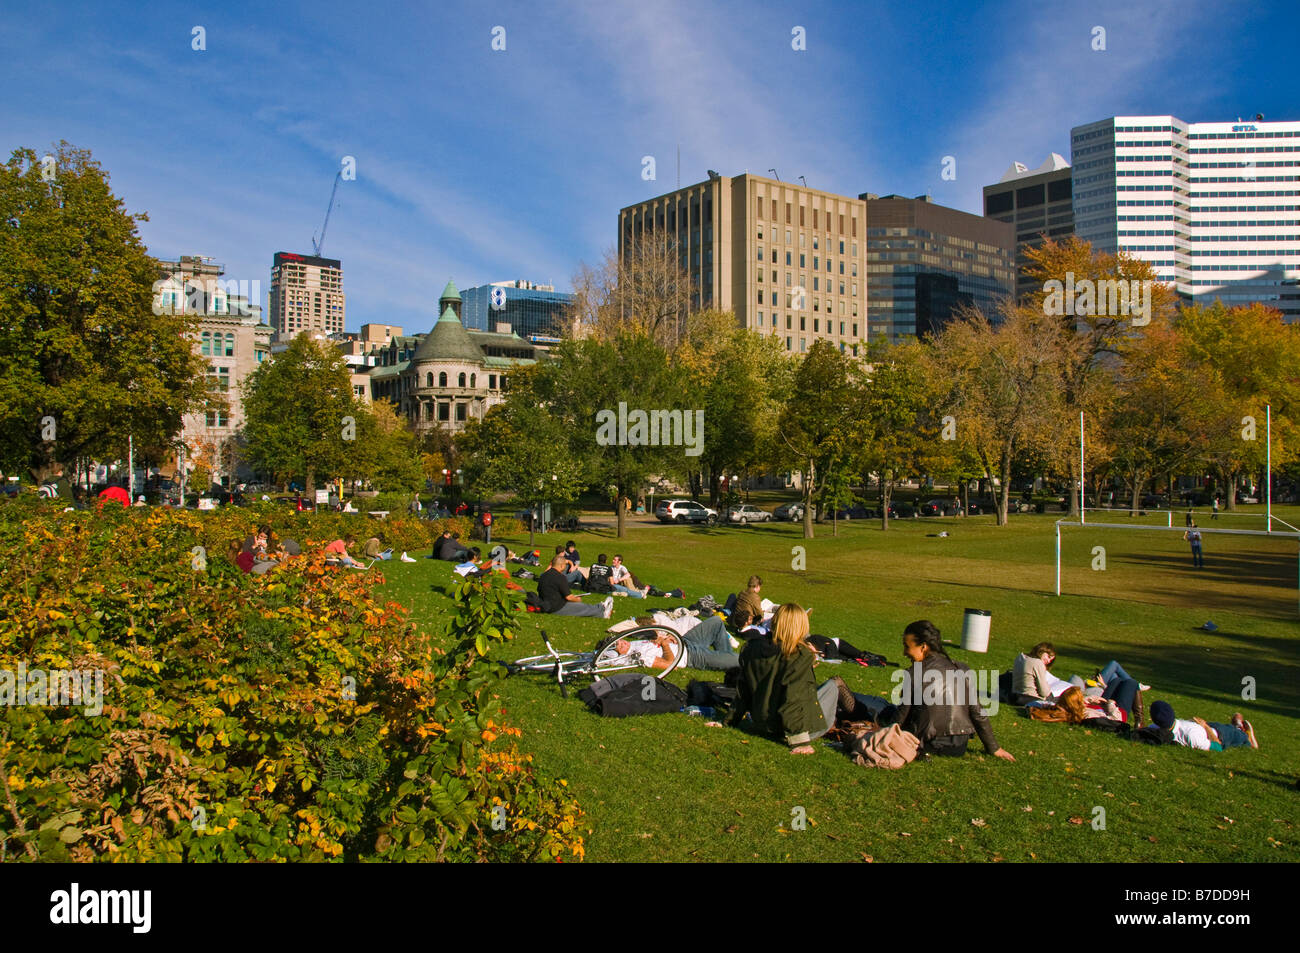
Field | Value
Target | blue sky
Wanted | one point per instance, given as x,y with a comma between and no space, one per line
486,165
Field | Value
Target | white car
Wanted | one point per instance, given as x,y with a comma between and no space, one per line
747,514
685,511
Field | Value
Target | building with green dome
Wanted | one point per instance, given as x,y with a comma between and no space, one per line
451,375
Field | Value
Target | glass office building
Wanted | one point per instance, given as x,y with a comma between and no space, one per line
529,309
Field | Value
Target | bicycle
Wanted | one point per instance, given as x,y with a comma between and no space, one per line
602,660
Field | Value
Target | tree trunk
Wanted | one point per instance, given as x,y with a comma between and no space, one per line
1135,503
1230,504
310,490
1004,498
1074,487
885,487
532,524
621,515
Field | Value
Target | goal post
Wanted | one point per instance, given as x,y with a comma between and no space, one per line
1270,534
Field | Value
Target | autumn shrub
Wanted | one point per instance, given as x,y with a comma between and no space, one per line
290,716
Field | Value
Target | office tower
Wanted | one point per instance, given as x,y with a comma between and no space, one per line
912,244
530,310
788,260
1214,207
1038,204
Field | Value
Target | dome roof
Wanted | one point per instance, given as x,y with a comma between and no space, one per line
449,293
448,341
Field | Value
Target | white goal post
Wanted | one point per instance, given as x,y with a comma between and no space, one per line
1174,529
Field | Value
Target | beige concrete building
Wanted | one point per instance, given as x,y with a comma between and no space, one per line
233,341
790,261
306,295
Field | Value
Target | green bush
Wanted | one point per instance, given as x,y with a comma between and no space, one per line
290,716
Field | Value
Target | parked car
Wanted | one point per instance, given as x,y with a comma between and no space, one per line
747,513
685,511
853,513
901,511
789,512
941,507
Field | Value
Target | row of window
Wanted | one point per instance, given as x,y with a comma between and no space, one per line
820,219
461,379
775,238
803,324
1246,178
214,344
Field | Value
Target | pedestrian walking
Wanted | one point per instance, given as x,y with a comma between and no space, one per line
1215,506
486,520
1190,522
1193,536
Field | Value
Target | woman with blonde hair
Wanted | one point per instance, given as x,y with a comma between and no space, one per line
777,688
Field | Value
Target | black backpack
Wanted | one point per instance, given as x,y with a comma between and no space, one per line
711,694
1153,734
632,693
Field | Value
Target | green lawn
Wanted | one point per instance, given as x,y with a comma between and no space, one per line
668,788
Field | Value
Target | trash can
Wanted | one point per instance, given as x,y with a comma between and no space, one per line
975,630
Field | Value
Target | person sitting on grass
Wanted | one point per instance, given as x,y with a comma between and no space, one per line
572,571
1034,686
555,596
624,583
469,565
749,606
944,725
374,549
777,688
1205,735
241,557
337,551
600,576
448,547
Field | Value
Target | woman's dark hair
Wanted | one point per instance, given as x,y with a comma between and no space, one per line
473,554
600,560
570,543
924,632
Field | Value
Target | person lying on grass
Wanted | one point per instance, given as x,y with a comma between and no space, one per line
1205,735
945,726
777,688
705,645
1073,708
1034,686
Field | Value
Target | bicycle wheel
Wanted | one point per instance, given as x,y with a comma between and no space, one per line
609,659
549,663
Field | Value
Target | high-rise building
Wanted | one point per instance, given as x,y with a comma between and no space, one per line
788,260
306,295
911,243
1038,204
1214,207
531,310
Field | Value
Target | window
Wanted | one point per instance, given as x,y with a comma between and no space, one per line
217,418
789,279
814,226
787,324
803,345
803,239
841,287
760,319
462,411
492,382
787,343
855,289
803,261
230,344
816,325
855,249
473,380
855,332
788,239
788,257
787,218
803,323
801,222
815,280
841,325
206,347
444,411
855,269
428,379
760,277
442,381
842,248
760,252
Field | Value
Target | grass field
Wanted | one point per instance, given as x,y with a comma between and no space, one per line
668,788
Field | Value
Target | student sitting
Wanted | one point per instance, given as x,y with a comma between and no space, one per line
600,577
1205,735
555,596
624,582
337,552
448,547
749,606
944,726
469,565
777,688
373,549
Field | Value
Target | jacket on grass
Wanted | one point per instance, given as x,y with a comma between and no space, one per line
779,693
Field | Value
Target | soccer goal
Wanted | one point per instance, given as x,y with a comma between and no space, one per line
1236,569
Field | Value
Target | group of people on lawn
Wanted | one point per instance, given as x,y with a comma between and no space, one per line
773,671
261,551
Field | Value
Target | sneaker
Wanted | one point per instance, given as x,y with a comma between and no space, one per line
1143,688
407,559
1240,722
608,605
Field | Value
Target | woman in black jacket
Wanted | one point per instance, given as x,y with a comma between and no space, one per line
940,704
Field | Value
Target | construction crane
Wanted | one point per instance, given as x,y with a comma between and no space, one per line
318,245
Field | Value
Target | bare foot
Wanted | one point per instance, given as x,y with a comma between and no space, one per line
803,749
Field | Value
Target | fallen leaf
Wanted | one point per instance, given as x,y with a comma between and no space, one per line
978,822
868,858
732,829
1076,820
